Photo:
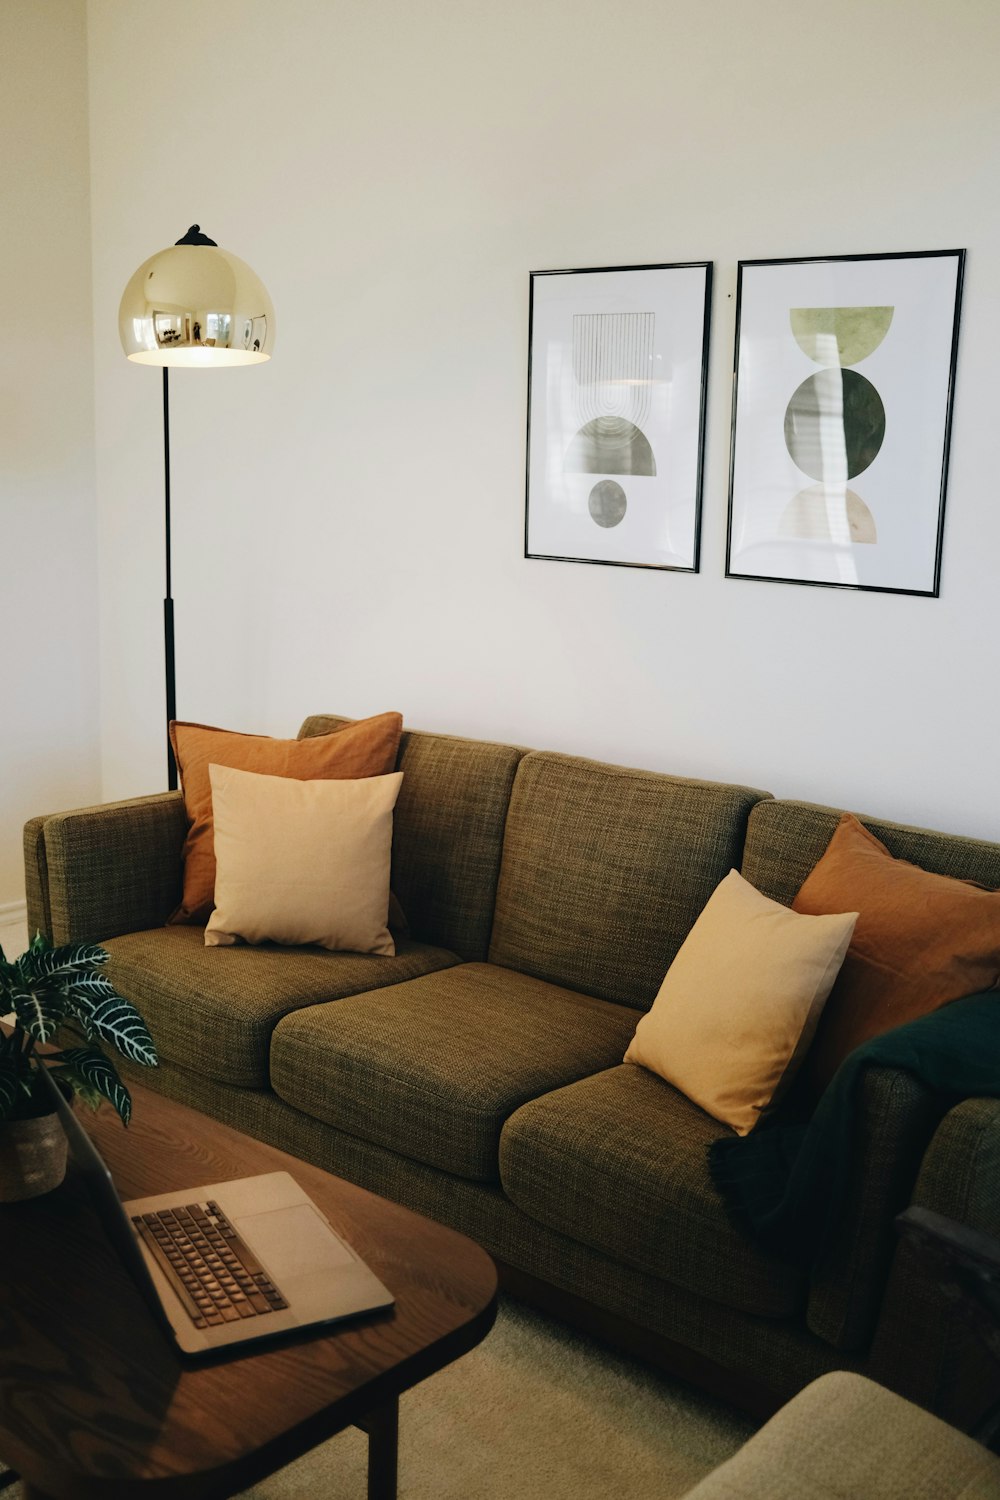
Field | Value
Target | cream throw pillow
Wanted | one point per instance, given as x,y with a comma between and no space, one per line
740,1002
302,861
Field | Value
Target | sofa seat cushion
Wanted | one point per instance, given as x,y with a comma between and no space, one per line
620,1162
432,1068
212,1010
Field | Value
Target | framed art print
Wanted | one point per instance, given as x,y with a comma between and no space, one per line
844,380
616,414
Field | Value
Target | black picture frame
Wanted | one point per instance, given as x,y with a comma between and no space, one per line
617,384
802,327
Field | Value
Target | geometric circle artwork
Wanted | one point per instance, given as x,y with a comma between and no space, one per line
843,396
825,513
839,335
834,425
610,445
607,503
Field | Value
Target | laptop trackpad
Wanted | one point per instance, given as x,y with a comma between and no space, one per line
294,1241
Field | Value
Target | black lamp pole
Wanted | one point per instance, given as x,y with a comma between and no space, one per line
168,602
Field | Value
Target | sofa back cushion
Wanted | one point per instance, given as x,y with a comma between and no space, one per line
605,870
786,839
923,936
447,833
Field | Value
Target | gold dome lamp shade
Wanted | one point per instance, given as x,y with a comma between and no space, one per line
197,306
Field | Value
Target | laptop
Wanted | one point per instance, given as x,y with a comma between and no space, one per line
232,1262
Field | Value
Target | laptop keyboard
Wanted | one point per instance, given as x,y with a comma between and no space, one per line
211,1268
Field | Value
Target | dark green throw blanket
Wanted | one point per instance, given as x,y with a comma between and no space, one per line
784,1184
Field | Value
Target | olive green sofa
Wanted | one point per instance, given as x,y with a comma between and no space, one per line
477,1076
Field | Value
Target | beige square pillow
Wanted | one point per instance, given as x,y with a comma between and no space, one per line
740,1002
302,861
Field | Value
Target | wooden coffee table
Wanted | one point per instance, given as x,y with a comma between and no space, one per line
95,1402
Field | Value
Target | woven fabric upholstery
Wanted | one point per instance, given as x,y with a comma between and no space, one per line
432,1069
213,1009
780,1356
898,1117
922,1348
111,869
36,877
620,1162
605,870
846,1436
785,840
895,1119
447,833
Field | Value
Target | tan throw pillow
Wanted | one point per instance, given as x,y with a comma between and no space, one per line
921,941
302,861
740,1002
368,747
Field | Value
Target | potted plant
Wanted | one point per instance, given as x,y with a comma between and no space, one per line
58,995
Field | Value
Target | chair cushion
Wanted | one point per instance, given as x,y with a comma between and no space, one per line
432,1068
212,1010
620,1162
844,1435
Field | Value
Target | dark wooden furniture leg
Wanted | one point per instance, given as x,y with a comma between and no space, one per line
382,1427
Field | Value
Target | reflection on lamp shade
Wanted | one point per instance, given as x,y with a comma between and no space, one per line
196,305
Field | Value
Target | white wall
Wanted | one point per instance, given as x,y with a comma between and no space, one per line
349,517
49,745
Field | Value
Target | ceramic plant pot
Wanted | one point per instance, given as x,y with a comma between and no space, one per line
32,1157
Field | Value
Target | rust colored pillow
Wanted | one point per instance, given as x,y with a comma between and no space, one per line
921,940
368,747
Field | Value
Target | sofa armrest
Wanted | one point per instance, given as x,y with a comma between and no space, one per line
960,1174
36,877
96,872
894,1122
921,1348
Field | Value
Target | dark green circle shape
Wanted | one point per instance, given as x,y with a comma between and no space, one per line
607,503
819,412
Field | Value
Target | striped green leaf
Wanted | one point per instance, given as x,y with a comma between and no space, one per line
89,987
43,964
89,1067
40,1011
115,1020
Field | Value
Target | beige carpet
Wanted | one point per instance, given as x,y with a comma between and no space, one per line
536,1412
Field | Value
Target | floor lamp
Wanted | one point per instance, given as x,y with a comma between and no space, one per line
196,306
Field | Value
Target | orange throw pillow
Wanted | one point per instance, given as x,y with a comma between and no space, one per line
368,747
921,940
